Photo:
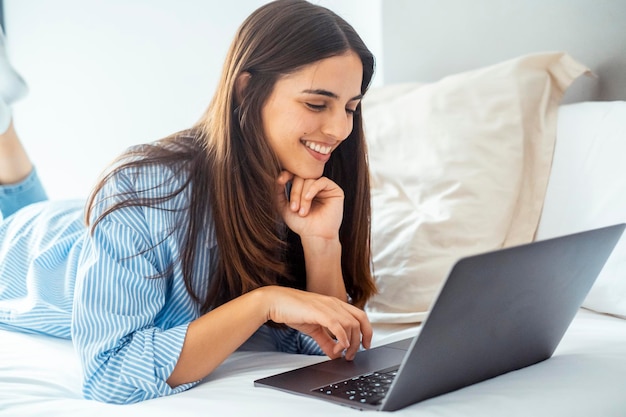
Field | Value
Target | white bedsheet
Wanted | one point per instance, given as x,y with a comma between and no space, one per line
586,377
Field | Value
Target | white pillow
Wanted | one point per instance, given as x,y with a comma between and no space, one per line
459,166
587,189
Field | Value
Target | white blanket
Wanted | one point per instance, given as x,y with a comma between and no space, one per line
586,377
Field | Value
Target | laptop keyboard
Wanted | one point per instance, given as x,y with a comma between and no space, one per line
365,389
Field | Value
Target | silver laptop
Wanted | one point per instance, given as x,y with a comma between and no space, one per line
497,312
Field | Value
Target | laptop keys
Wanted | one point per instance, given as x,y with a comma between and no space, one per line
366,389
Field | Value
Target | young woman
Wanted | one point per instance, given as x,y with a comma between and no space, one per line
250,228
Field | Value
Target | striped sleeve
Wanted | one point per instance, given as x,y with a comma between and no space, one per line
289,340
125,357
125,354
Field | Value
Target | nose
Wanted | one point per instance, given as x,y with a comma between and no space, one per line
338,125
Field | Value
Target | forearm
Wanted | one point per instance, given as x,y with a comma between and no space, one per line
214,336
323,267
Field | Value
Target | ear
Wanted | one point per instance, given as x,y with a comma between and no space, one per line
240,85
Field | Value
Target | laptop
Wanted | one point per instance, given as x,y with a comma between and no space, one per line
497,312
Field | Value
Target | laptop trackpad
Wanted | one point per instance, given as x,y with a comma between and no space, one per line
365,361
327,372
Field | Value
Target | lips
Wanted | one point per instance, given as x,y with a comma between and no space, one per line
318,151
319,148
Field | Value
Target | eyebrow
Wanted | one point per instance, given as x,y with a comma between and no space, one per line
330,94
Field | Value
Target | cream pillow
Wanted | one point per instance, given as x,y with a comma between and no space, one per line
587,189
459,167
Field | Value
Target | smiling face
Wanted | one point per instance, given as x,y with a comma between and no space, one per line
310,111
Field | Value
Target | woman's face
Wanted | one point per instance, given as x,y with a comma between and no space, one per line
309,113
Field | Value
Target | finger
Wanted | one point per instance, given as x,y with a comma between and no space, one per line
342,338
341,331
308,193
367,333
352,325
282,187
365,327
358,329
328,345
323,186
310,190
284,177
297,184
320,189
355,343
345,321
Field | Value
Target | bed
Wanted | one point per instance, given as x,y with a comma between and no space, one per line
480,158
585,377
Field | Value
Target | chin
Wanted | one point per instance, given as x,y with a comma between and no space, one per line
310,174
307,172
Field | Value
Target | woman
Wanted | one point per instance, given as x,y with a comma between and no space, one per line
258,214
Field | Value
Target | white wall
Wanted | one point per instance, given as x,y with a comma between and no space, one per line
428,39
106,74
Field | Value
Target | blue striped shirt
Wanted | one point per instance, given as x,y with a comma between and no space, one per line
128,328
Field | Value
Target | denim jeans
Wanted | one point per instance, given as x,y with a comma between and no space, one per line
15,196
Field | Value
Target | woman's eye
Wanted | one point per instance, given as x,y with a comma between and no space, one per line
351,111
316,107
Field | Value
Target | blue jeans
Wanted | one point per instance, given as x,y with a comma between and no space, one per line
15,196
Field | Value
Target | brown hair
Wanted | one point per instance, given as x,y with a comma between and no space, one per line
232,169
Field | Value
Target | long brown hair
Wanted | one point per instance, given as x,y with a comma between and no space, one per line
232,169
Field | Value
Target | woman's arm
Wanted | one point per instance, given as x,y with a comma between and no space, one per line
323,267
223,330
220,332
135,344
315,212
140,337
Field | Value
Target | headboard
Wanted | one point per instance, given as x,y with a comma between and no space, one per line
428,39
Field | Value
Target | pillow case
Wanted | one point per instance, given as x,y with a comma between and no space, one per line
586,189
459,166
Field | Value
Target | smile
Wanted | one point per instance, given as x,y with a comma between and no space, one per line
324,150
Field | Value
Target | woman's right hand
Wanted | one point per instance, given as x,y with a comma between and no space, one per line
222,330
316,315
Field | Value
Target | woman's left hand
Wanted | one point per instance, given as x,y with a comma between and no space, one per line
314,208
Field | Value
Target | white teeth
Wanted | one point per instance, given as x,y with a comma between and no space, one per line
324,150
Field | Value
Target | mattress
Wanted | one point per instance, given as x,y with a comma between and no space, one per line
586,376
